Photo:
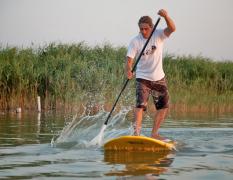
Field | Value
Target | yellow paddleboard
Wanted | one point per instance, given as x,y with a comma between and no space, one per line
138,143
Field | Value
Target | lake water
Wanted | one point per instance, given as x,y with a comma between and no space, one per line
52,146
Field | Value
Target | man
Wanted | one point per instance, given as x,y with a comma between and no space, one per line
150,77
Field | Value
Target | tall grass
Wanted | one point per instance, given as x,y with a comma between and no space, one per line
200,83
67,75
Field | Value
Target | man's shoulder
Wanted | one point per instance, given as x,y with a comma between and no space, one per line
160,33
136,38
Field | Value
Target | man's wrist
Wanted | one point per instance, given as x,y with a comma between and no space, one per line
166,16
129,69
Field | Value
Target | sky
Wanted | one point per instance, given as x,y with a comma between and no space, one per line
204,27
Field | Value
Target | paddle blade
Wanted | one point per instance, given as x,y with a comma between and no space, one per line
98,139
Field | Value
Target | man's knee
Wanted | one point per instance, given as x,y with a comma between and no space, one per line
142,107
162,111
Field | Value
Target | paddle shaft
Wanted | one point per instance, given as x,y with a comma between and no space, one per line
134,67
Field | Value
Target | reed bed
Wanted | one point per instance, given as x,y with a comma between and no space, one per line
73,75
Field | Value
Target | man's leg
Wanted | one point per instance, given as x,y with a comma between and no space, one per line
142,96
138,114
158,120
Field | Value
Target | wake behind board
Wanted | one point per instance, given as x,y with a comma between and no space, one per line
138,143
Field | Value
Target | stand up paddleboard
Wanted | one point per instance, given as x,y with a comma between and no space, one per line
138,143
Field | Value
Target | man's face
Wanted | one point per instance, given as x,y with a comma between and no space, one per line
145,30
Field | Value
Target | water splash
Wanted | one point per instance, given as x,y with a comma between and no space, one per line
89,130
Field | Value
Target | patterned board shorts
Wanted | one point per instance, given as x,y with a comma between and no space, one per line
158,90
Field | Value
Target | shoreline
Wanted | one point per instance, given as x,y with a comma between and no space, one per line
175,108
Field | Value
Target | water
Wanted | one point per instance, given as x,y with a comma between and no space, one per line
52,146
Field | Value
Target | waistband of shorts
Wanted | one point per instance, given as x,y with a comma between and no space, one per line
145,80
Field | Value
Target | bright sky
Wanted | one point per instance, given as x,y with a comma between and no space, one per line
204,27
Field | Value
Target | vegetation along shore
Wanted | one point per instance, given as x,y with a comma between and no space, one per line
77,75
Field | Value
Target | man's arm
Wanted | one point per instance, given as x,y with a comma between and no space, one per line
170,24
128,67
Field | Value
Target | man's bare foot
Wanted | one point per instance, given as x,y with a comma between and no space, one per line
157,136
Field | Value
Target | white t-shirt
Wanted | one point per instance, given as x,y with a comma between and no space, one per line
150,66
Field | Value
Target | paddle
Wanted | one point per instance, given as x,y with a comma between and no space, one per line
98,138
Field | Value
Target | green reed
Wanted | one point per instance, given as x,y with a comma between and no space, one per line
64,75
200,74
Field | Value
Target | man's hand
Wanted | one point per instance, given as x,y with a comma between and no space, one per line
129,74
162,13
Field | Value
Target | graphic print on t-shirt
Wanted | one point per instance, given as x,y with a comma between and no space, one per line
149,51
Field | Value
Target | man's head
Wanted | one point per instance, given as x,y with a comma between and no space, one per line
145,25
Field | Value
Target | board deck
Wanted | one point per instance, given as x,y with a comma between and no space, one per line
138,143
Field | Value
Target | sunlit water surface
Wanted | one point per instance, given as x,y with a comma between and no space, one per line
52,146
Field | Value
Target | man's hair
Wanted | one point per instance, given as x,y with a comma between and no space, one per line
147,20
